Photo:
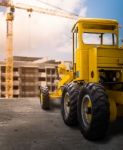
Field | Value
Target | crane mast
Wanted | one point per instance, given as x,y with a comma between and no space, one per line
9,54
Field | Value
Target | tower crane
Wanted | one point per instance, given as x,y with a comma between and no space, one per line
9,43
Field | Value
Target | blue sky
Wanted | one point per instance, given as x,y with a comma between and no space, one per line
106,9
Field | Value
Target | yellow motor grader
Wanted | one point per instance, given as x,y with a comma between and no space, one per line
92,92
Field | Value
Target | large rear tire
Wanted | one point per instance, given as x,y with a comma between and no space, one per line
44,98
93,111
69,104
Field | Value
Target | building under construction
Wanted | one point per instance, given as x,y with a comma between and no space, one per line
29,73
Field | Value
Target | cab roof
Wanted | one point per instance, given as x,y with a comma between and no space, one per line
96,21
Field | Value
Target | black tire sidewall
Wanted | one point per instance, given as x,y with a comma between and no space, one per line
62,105
71,119
84,92
45,100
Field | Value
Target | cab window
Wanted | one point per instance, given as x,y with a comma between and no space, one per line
99,38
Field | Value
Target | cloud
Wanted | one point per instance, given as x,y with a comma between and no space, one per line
44,35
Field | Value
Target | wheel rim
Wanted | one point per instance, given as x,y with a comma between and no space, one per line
41,98
67,104
86,110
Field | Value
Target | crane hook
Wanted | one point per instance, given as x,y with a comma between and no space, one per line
30,10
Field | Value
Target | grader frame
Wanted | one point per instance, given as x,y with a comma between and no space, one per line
92,93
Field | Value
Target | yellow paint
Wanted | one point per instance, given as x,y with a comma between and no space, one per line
93,65
117,96
66,77
89,116
113,110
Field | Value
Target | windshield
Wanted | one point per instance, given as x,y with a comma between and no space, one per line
99,38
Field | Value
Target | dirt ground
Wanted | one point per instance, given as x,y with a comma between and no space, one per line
24,126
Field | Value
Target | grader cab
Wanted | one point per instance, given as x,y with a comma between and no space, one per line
92,92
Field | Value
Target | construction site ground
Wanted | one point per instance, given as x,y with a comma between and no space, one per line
24,126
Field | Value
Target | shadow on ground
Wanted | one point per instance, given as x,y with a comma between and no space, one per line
115,128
